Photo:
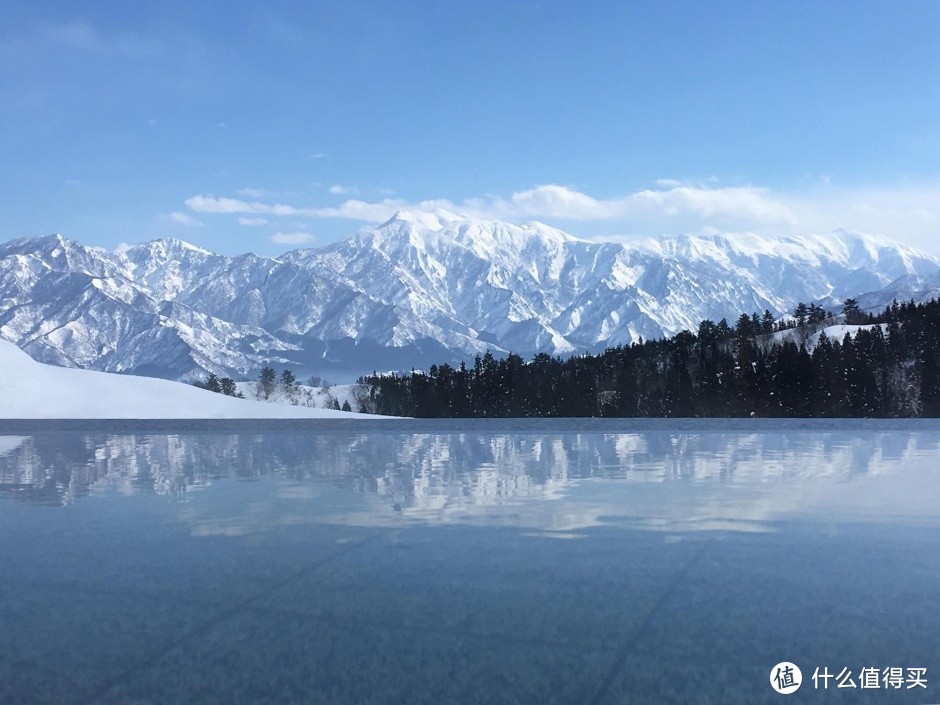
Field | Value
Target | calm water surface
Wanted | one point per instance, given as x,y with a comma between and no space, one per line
549,562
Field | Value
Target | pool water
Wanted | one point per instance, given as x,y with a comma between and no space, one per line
486,564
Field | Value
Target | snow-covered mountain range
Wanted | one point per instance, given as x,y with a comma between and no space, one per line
420,288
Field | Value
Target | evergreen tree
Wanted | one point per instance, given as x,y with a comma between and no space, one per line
267,381
288,381
767,322
851,311
801,313
227,387
930,383
213,384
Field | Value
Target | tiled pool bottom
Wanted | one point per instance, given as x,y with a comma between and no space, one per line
281,589
441,614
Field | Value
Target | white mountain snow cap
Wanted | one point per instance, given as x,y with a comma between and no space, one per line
432,220
424,285
174,243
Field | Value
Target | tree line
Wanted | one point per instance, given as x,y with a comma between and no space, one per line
891,368
223,385
269,383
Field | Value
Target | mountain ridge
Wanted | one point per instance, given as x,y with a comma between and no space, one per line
417,286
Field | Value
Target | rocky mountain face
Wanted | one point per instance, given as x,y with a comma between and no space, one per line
420,288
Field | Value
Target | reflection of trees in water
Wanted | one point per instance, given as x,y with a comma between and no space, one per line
56,468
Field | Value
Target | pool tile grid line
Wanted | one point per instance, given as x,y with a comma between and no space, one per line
253,660
332,620
225,614
500,637
638,632
493,637
250,604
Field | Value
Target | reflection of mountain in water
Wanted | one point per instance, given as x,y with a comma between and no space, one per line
427,473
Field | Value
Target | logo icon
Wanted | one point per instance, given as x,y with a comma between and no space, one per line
786,678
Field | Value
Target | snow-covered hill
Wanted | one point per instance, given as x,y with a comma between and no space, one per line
31,390
315,397
810,335
420,288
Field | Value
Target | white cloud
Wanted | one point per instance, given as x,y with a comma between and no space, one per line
362,210
292,238
668,183
255,193
252,221
734,203
318,155
910,213
907,213
556,201
184,219
351,209
677,208
207,203
211,204
339,190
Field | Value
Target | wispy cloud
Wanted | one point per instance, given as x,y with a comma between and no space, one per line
351,209
908,213
82,37
252,221
184,219
368,212
208,203
255,193
340,190
300,238
550,201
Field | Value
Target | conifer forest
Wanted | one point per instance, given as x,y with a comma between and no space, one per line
887,364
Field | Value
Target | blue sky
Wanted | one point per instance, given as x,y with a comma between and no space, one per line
262,126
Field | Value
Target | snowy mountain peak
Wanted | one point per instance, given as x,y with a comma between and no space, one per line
847,248
165,249
434,220
37,244
422,287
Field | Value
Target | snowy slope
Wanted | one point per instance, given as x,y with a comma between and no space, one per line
810,335
305,395
418,289
31,390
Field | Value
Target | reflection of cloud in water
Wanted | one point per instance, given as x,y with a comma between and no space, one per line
556,482
8,444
